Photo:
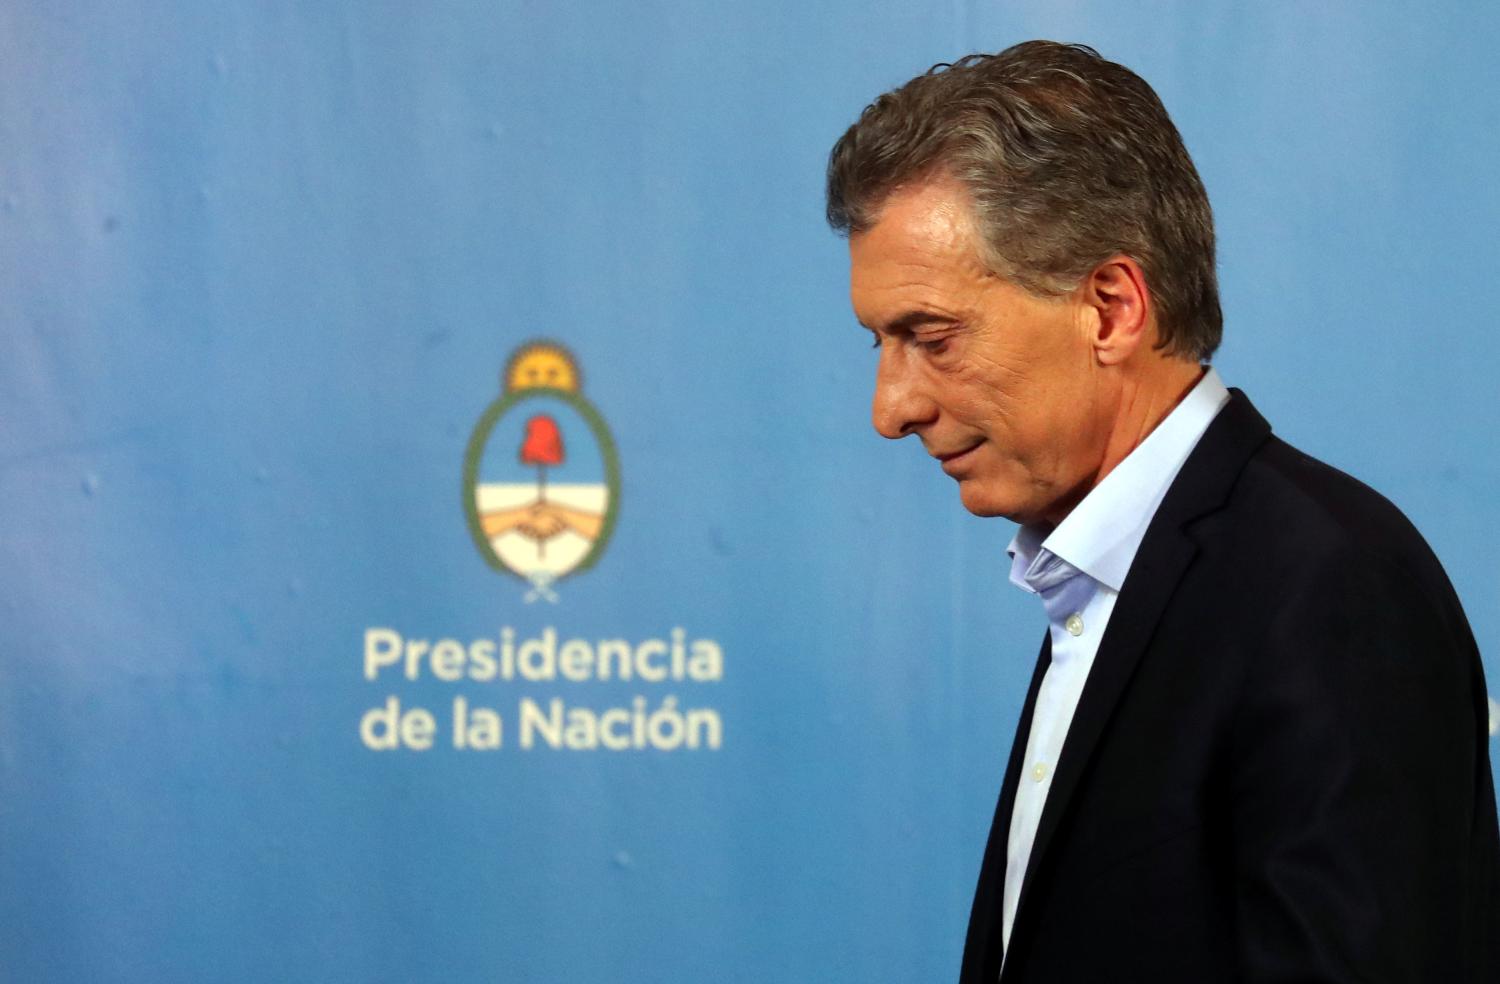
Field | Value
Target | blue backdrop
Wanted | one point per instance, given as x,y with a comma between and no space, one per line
262,269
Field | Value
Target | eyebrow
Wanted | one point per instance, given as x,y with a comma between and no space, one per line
910,321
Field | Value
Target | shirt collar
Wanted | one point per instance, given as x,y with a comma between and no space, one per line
1102,533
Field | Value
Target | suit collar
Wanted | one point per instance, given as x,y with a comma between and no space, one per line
1208,476
1201,487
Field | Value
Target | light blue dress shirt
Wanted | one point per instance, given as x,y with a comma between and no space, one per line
1078,569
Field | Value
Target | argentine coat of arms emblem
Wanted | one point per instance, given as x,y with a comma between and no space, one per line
541,477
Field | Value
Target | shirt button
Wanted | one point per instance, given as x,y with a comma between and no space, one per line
1040,772
1074,624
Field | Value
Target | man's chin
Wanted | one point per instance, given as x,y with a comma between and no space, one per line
989,502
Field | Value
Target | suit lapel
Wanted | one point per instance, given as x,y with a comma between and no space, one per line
982,948
1202,486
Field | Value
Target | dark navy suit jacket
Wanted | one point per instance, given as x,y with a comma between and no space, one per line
1279,767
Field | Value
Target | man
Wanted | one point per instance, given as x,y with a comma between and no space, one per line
1255,745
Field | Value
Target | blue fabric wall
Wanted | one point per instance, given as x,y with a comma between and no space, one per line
262,266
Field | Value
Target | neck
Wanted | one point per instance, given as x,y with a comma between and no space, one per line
1144,400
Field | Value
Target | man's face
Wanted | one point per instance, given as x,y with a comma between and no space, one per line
998,384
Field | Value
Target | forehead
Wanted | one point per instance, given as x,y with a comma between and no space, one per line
923,240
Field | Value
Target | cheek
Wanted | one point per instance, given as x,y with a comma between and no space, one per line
994,388
1036,419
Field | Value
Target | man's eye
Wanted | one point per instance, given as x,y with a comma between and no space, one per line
934,346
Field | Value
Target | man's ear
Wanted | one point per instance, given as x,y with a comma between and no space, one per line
1116,290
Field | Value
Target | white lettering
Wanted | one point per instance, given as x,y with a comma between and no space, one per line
382,648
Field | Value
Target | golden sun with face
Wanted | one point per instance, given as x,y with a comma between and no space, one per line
542,365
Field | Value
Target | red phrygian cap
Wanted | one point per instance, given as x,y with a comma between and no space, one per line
543,443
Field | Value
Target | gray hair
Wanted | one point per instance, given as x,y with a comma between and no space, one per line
1067,158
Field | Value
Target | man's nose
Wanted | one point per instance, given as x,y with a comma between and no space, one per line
901,405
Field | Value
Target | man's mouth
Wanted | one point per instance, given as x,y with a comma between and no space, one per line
955,461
